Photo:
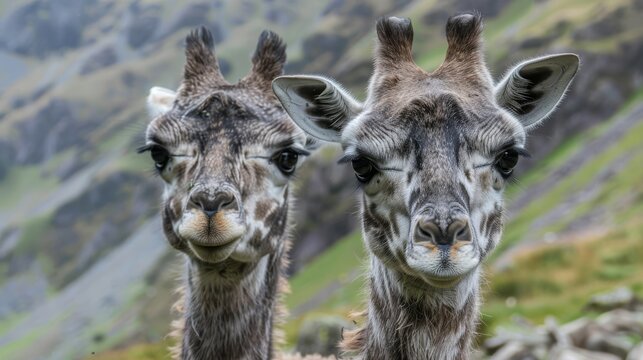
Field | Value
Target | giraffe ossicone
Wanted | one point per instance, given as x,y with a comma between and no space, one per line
432,152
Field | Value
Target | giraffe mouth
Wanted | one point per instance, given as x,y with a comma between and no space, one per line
443,282
213,254
441,268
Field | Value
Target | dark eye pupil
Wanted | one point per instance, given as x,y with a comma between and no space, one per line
287,161
364,169
160,157
507,161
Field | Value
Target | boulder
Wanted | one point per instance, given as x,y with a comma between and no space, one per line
573,353
621,298
609,342
636,353
514,350
622,321
578,330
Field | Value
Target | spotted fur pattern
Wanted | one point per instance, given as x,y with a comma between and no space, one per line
222,138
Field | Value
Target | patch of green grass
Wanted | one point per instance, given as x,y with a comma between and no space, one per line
335,264
630,143
433,57
558,280
10,350
562,153
145,351
18,347
10,321
23,184
32,232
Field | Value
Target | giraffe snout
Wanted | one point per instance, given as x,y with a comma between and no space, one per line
211,204
442,233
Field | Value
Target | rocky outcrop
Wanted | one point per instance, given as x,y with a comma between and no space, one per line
56,127
142,24
97,221
102,58
191,16
615,334
42,27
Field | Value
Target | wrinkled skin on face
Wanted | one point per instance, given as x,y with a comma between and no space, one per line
226,153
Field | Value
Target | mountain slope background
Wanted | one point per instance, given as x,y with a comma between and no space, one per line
84,267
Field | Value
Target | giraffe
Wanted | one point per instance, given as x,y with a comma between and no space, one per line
432,152
226,153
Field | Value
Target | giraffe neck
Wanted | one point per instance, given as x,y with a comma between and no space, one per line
231,318
406,322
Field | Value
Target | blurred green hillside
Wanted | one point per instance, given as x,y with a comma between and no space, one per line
84,267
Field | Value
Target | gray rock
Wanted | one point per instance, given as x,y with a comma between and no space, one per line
513,350
572,353
23,292
622,321
532,338
143,23
40,28
609,342
102,58
578,330
636,353
621,298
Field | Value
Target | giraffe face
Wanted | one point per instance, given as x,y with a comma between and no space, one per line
432,172
432,152
226,154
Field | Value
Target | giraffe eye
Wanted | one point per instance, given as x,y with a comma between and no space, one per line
205,114
364,169
160,156
506,162
286,161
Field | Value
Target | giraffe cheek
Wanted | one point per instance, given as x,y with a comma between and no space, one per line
497,182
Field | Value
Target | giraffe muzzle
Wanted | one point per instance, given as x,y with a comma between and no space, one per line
442,233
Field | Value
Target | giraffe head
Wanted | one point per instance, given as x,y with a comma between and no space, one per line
432,151
226,153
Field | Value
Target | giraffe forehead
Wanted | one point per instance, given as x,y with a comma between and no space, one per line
234,117
431,124
421,123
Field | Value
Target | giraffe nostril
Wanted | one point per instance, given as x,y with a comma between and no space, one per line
459,230
424,234
227,204
426,230
210,205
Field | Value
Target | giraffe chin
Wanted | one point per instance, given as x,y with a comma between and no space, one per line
443,283
213,254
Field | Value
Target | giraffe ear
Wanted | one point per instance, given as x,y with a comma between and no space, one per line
533,89
160,101
316,104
